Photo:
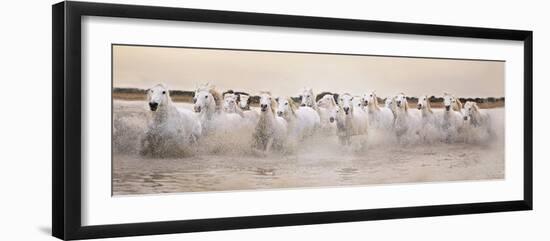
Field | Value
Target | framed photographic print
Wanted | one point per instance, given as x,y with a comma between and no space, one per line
171,120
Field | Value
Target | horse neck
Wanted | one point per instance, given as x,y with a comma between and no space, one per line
476,118
447,114
289,116
267,115
426,111
401,113
372,106
164,112
314,106
348,119
209,111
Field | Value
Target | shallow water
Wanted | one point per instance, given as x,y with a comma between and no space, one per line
316,162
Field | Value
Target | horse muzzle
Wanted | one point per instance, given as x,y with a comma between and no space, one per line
419,106
263,107
303,105
153,106
280,113
346,110
197,109
447,107
331,119
465,118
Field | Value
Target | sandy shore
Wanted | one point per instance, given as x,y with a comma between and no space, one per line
317,162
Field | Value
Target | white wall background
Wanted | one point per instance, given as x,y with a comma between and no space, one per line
25,120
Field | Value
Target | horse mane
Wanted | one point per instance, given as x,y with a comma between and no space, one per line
376,107
346,93
406,104
273,106
218,98
375,97
458,103
292,105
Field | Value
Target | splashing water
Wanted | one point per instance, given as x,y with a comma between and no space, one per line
224,160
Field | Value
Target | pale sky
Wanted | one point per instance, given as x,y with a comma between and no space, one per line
284,74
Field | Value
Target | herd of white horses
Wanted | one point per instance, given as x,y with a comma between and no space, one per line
280,121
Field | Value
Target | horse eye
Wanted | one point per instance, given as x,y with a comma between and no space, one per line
163,92
286,103
206,96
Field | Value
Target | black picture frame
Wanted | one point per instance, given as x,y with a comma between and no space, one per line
66,127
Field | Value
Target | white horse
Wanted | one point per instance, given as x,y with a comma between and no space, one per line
406,122
249,114
477,123
354,122
231,112
456,105
307,99
379,117
208,104
428,125
344,126
302,122
359,112
328,103
171,130
451,122
244,102
230,105
271,130
389,103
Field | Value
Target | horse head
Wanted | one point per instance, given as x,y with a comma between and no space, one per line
307,97
346,103
244,101
370,99
204,101
286,106
470,110
401,101
448,101
158,96
424,103
328,101
230,103
267,103
335,114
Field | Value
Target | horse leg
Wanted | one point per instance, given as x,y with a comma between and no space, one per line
145,145
269,144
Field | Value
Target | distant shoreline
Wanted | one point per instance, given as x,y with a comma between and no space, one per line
133,94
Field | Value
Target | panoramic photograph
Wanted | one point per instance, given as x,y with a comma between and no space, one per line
188,120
